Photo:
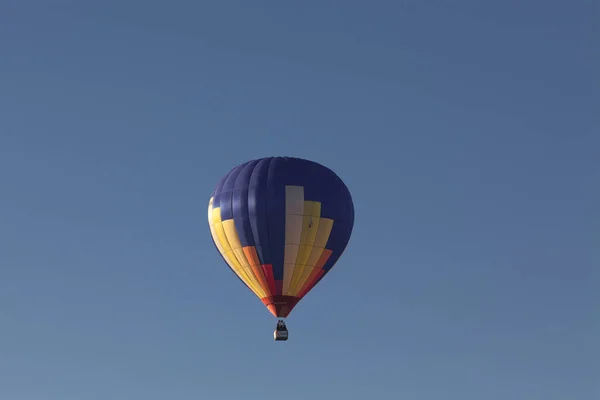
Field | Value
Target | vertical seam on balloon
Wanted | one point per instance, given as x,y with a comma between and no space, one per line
256,269
254,238
266,220
240,254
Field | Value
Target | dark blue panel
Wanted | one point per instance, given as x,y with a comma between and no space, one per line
276,215
225,204
334,199
245,174
219,189
260,173
226,200
242,217
220,185
314,182
244,230
257,210
337,242
240,203
229,183
260,233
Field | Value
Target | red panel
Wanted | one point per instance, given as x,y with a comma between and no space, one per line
252,257
283,311
323,259
315,274
261,279
280,306
268,270
310,278
278,287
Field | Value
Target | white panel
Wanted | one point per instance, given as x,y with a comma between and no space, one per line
294,200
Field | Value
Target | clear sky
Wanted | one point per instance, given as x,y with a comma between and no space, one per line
467,131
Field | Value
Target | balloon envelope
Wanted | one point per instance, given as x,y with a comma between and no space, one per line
281,223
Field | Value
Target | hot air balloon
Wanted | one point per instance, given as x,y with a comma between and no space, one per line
281,223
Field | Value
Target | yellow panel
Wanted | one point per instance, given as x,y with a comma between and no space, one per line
238,253
232,236
224,254
298,272
210,204
309,221
325,225
233,261
310,226
309,235
212,227
314,235
234,242
252,257
314,272
300,266
214,217
220,238
288,270
314,255
303,254
306,270
227,251
294,210
324,230
257,289
312,208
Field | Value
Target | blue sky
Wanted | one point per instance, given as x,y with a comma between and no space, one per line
467,132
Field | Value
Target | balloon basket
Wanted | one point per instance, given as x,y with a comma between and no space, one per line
281,332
